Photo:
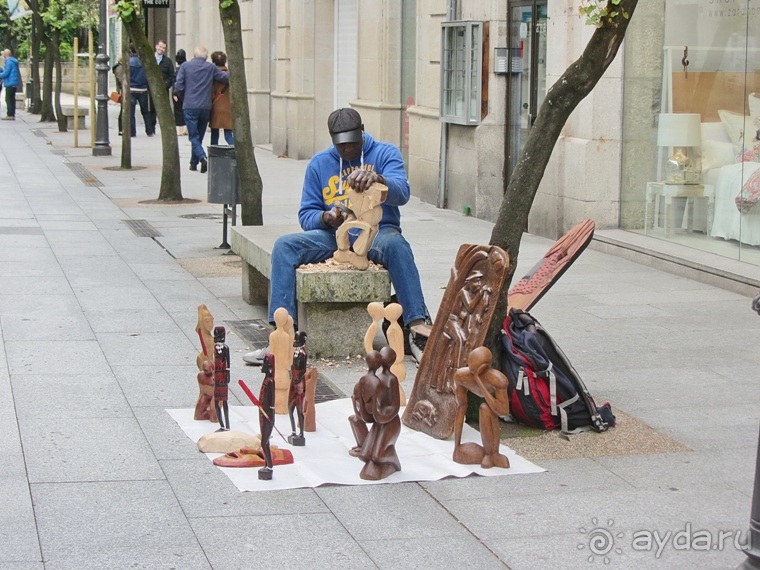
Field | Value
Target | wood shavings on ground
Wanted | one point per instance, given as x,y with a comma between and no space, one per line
332,265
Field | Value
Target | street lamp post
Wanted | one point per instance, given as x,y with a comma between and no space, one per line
102,147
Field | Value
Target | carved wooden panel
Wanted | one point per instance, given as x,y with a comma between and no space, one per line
461,325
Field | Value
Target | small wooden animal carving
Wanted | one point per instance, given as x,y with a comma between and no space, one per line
281,347
376,401
365,213
479,378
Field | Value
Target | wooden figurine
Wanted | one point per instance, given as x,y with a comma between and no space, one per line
281,347
395,335
221,377
204,407
365,213
461,325
267,413
479,378
376,401
377,312
310,410
297,393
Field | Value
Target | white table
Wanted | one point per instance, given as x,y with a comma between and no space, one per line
657,192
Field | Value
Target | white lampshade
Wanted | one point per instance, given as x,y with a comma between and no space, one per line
679,129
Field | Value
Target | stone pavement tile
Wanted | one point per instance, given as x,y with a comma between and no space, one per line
223,287
14,209
38,326
53,356
33,267
23,241
203,490
165,437
40,285
464,551
170,270
159,386
190,294
147,348
28,257
397,511
67,225
18,532
714,429
67,395
86,449
315,541
103,249
561,476
115,524
572,551
128,298
131,321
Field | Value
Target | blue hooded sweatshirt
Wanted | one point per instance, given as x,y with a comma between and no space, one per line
321,189
137,78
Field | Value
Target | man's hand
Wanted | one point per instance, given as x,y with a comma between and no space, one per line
333,218
360,180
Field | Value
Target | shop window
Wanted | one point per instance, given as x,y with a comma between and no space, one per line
461,72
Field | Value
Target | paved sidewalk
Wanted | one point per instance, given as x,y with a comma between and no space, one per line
98,329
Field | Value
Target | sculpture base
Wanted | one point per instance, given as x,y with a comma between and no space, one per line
265,474
297,440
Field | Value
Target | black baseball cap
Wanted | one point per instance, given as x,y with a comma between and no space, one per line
345,126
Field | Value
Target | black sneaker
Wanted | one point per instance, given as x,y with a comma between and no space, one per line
204,165
417,343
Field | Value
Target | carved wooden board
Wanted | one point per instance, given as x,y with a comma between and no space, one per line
460,326
528,290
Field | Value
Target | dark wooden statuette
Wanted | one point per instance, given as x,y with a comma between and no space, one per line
266,414
310,410
221,378
461,325
297,394
479,378
376,401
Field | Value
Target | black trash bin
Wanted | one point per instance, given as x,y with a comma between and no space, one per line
223,183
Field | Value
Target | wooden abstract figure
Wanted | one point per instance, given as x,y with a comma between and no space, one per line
395,335
310,410
365,213
376,310
281,347
204,407
221,377
297,394
266,414
376,401
461,325
479,378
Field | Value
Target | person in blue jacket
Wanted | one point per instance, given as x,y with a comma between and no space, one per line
11,79
357,160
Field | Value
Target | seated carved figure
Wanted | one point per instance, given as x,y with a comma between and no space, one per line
376,401
479,378
363,217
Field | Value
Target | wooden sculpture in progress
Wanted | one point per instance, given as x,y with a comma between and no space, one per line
281,347
479,378
461,325
297,394
395,335
363,217
204,407
376,401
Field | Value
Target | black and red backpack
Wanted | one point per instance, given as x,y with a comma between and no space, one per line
545,391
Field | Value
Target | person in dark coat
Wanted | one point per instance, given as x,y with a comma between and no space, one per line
166,67
221,107
179,114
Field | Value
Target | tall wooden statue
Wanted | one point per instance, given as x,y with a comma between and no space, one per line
281,347
479,378
266,413
365,213
377,312
221,378
376,401
395,336
204,407
297,393
461,325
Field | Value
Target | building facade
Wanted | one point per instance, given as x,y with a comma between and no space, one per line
456,85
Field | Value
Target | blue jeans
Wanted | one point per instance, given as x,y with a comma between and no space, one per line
389,249
134,99
228,136
196,121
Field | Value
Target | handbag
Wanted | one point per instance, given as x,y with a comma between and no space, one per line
115,96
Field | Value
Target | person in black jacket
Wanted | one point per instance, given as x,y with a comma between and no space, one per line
167,73
179,114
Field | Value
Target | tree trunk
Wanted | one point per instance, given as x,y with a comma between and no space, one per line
562,98
62,120
126,119
35,101
46,111
171,188
251,185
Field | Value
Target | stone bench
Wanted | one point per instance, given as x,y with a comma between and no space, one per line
332,305
20,100
68,112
